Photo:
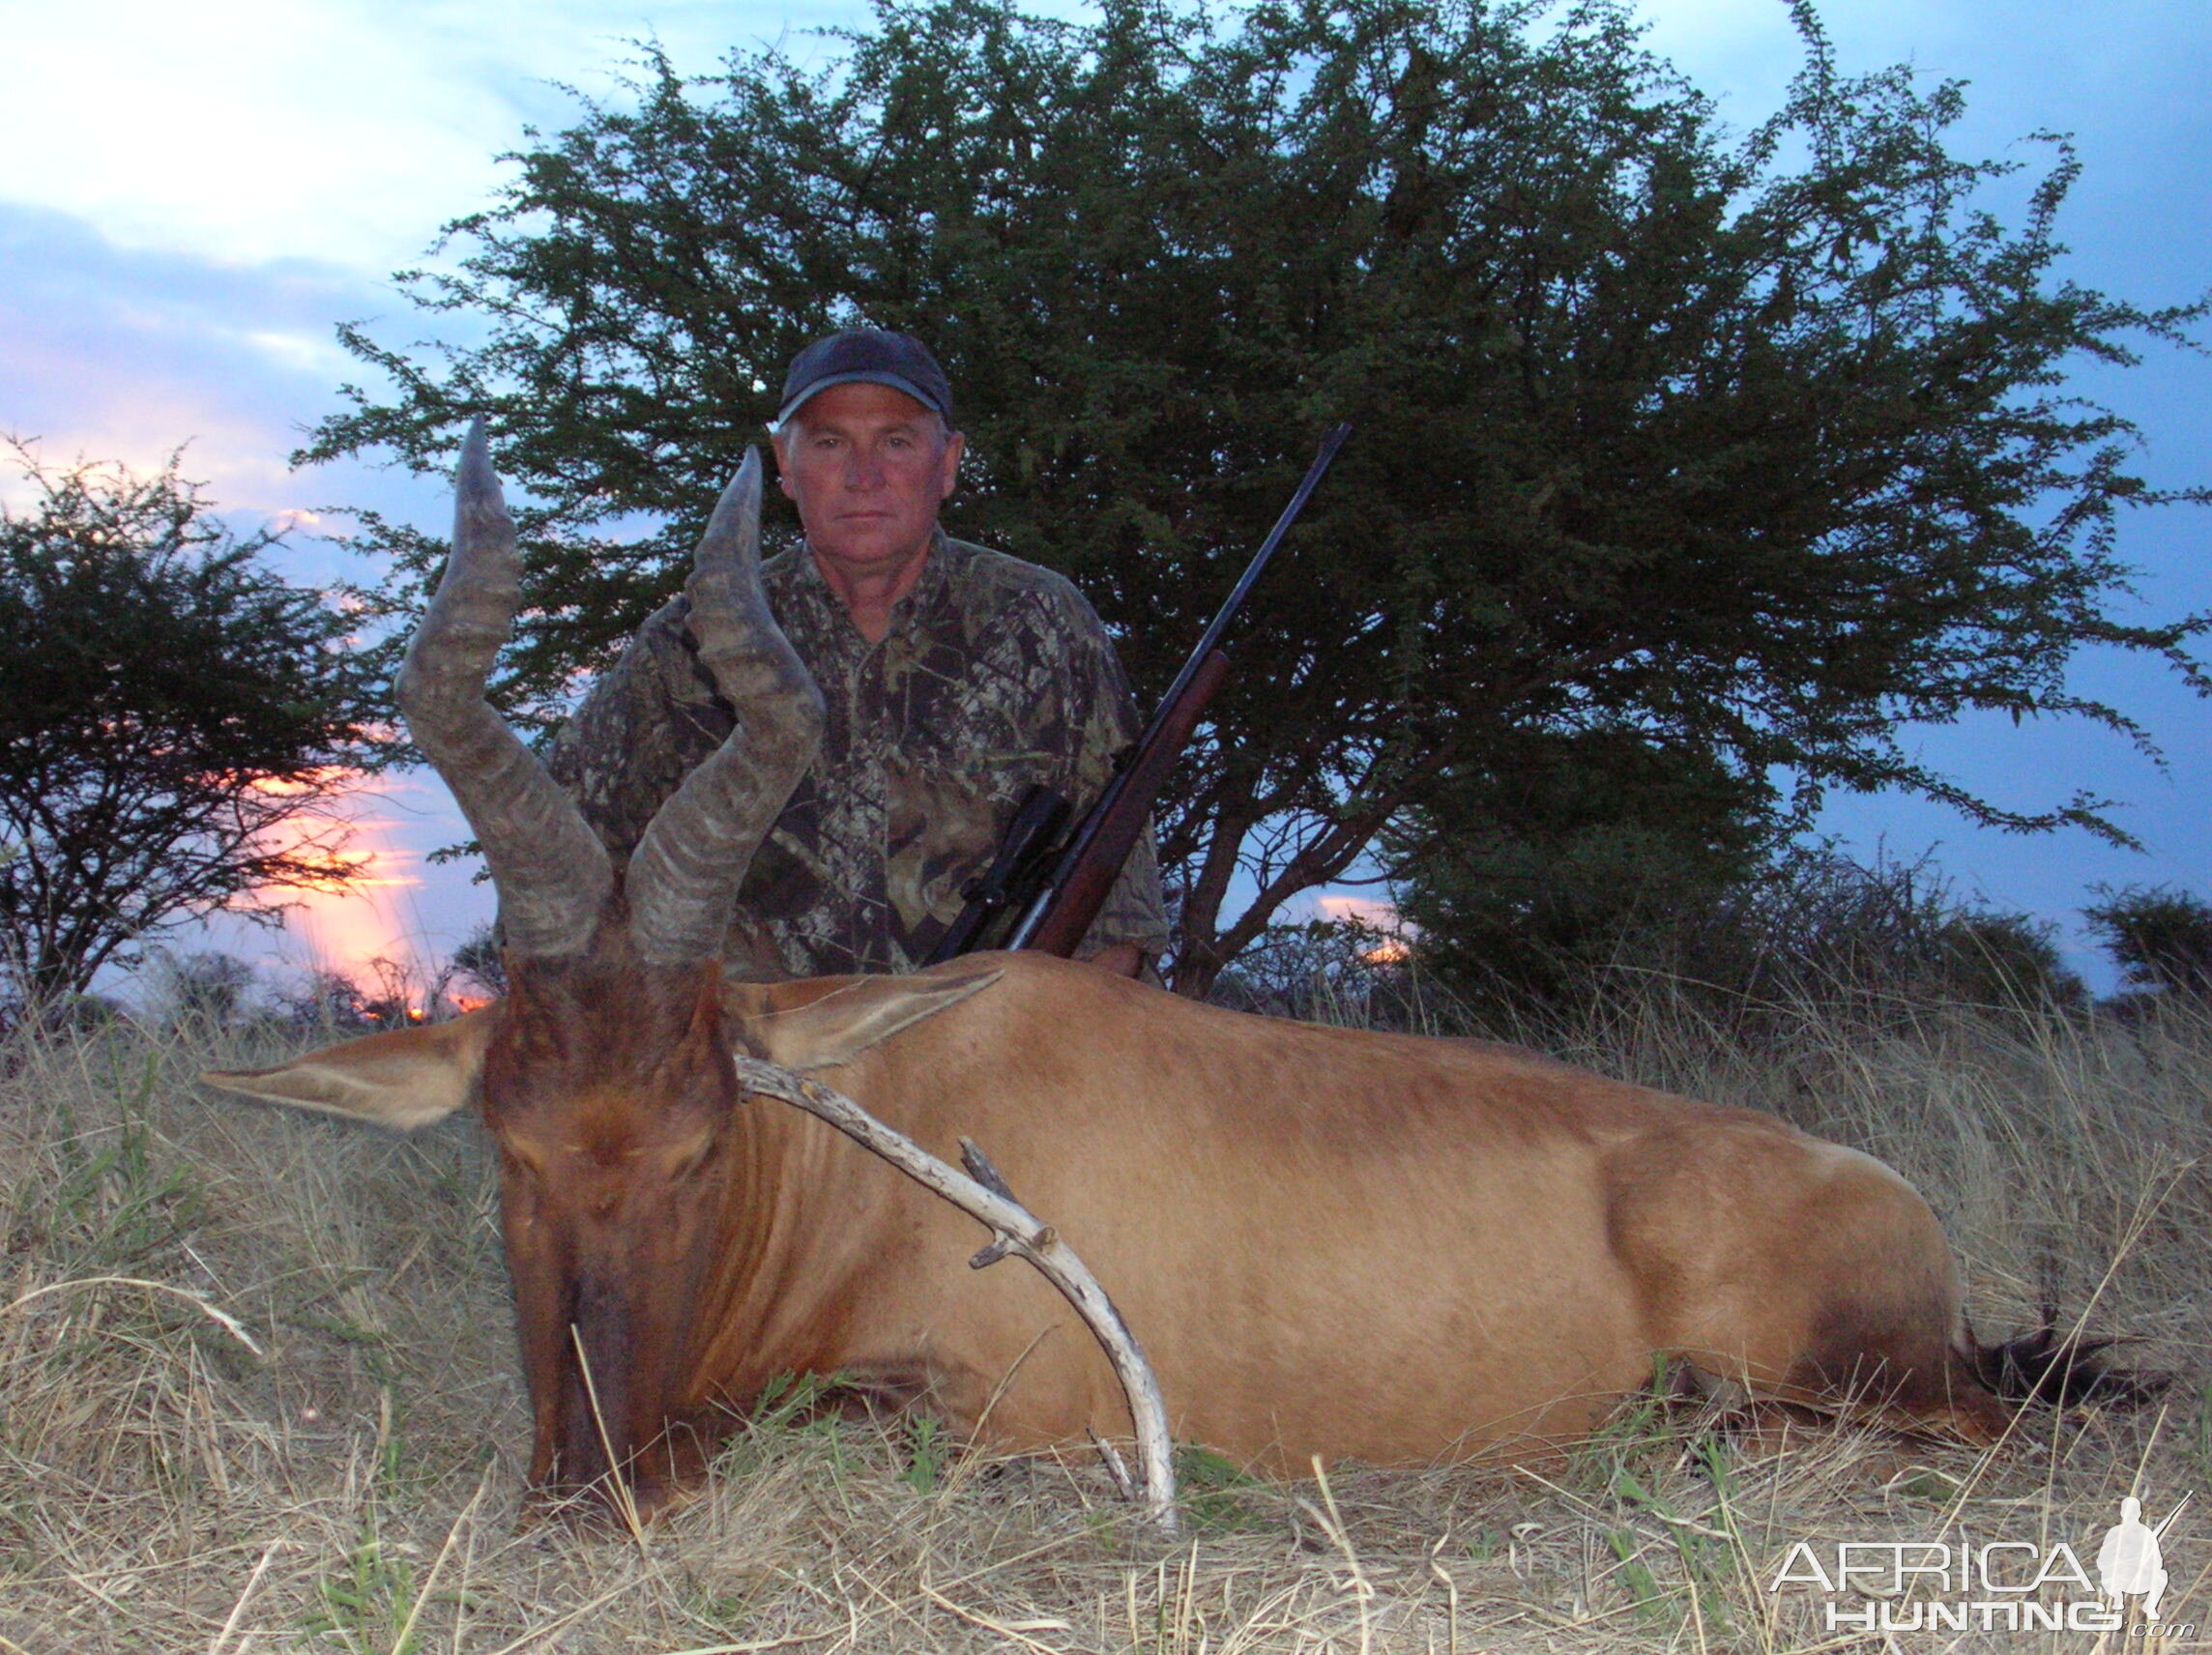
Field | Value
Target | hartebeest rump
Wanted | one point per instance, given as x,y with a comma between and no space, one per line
1330,1242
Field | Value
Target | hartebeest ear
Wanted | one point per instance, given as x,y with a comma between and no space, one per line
404,1079
822,1022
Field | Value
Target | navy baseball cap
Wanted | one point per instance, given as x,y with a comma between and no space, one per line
871,356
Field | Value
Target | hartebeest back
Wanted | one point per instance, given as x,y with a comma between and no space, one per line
1330,1242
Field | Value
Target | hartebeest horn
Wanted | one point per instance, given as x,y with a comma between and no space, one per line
684,874
550,871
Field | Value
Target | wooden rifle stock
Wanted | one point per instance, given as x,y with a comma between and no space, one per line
1085,876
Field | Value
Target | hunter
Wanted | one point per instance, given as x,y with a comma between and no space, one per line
955,679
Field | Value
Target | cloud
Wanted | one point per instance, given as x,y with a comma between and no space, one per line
248,131
1367,910
121,354
111,352
349,130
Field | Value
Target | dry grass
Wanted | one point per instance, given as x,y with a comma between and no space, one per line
352,1483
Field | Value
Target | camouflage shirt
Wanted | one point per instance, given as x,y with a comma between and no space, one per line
995,674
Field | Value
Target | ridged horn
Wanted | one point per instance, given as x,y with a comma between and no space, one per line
684,876
548,867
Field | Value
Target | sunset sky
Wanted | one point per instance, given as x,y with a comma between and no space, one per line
191,197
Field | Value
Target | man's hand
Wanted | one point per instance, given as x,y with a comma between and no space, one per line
1123,959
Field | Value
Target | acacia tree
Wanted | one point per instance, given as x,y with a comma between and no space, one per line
1742,448
2159,937
173,716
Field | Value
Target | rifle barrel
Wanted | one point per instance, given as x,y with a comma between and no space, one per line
1253,570
1050,921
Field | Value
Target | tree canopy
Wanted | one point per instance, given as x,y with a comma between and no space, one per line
2159,937
173,721
1738,449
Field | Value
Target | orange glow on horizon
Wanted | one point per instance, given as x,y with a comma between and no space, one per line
1391,946
337,780
366,920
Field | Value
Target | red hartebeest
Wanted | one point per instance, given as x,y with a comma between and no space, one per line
1330,1242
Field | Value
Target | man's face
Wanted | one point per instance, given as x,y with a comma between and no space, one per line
867,466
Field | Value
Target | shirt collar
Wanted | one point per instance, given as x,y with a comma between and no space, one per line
930,592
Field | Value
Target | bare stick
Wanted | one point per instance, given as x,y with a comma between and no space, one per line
223,1318
1017,1231
1116,1467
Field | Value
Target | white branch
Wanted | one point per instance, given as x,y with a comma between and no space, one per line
223,1318
1017,1231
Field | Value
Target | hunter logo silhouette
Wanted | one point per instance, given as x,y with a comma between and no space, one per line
2129,1564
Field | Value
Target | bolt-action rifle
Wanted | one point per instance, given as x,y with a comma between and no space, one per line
1052,880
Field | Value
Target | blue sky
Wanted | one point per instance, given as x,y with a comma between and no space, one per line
192,197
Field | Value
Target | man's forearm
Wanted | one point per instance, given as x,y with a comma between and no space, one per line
1135,911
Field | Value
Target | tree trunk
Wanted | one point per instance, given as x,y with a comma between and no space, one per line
1197,957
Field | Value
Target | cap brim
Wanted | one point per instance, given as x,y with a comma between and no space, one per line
867,376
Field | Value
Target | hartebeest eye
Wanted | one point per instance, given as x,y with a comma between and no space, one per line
669,1160
684,1158
608,1152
